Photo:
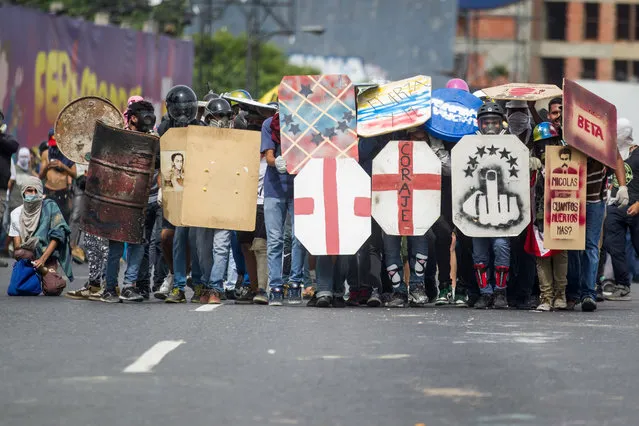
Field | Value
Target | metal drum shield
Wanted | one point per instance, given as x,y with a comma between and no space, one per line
76,122
119,180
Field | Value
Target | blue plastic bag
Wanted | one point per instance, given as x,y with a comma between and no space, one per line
25,280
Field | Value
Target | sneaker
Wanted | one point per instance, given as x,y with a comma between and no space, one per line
374,301
472,300
607,287
213,297
97,297
431,290
294,294
460,300
275,297
338,302
130,294
110,296
261,298
229,294
560,303
244,295
417,296
499,301
588,305
443,298
144,290
324,302
600,294
308,292
621,292
485,301
176,296
544,307
197,293
165,288
83,293
312,302
398,300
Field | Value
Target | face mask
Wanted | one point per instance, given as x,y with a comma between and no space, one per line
30,198
23,162
518,123
146,121
223,123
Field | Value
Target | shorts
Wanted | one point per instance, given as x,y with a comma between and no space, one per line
246,237
167,225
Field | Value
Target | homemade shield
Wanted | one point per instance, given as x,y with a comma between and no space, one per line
317,119
490,186
565,199
590,123
209,177
75,125
332,206
406,188
394,106
523,92
454,114
118,183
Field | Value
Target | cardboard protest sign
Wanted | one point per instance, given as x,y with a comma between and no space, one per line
454,114
209,177
317,119
490,186
394,106
332,206
406,188
523,92
565,199
590,123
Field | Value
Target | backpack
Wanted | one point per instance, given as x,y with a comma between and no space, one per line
25,280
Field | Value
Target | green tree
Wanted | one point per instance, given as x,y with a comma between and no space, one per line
221,61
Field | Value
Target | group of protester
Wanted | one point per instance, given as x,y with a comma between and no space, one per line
269,265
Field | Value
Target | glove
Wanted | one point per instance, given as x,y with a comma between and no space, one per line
280,164
621,200
160,196
534,163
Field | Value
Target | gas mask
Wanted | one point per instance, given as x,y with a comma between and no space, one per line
518,122
146,121
222,122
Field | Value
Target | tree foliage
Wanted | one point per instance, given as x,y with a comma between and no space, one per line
221,61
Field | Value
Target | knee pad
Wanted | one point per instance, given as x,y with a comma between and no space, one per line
420,264
394,275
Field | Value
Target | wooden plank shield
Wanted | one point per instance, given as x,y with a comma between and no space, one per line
406,188
565,199
590,123
490,186
332,206
317,119
523,92
394,106
209,177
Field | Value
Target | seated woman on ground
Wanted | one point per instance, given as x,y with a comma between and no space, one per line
37,227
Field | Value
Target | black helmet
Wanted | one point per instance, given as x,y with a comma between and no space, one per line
210,95
490,108
219,107
181,103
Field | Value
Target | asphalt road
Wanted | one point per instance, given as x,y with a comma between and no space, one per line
65,362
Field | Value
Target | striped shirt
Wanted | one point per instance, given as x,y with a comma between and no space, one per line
595,181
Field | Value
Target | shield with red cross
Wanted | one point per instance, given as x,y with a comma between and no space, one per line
406,188
317,119
332,206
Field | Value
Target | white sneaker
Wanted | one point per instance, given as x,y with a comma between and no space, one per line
544,307
165,288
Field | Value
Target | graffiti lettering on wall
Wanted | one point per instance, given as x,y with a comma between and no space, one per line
57,83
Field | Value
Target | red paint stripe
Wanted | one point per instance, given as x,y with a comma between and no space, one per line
330,205
362,206
426,181
303,206
386,182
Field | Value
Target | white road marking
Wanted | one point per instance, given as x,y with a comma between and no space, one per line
152,357
206,308
389,356
271,351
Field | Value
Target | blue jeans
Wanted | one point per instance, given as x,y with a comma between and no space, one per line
500,248
185,237
213,247
331,275
134,255
275,210
589,258
153,218
417,259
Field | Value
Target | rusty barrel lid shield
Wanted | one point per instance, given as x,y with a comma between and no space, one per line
118,183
